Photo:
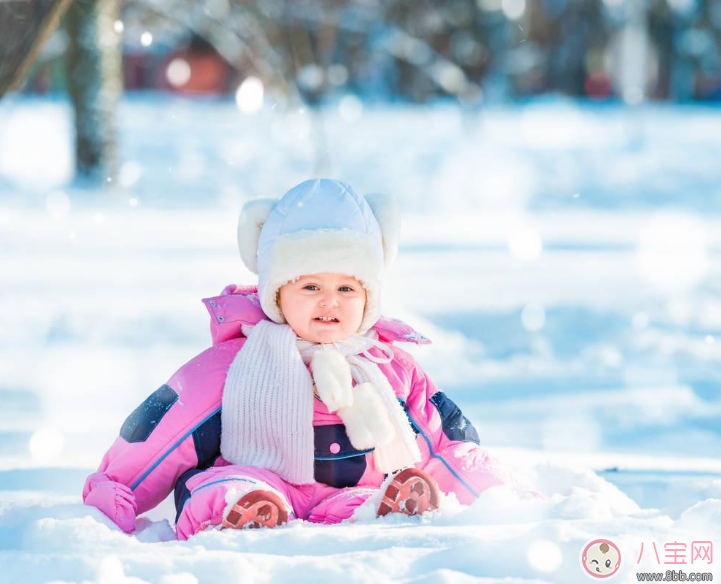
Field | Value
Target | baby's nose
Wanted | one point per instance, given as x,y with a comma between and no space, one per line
329,300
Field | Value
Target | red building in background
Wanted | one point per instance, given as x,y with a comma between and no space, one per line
196,69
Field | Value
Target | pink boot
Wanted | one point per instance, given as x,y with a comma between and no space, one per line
257,509
412,492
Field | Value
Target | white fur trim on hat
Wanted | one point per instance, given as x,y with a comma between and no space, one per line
387,212
341,251
251,220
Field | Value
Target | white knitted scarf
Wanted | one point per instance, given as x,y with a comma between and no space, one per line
267,415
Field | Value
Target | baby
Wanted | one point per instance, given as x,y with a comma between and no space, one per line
304,407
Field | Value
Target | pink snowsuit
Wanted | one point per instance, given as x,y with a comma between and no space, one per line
172,440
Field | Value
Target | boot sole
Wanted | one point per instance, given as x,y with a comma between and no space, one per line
411,492
256,509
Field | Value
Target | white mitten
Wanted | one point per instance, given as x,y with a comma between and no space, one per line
332,376
366,421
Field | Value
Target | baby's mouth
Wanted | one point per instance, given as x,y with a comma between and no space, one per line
326,320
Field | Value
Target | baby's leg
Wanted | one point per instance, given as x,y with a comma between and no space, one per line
204,498
341,505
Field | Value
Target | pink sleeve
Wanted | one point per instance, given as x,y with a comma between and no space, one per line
450,446
175,429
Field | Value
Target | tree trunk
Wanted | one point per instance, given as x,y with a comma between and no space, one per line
94,77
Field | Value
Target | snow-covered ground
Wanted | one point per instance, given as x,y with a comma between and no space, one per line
563,258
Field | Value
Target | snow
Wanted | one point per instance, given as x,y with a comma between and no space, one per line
562,257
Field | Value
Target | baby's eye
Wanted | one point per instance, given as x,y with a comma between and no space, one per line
309,286
608,563
347,289
594,561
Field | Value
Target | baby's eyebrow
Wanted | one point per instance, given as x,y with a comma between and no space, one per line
305,280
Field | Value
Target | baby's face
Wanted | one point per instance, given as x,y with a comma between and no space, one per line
323,295
601,559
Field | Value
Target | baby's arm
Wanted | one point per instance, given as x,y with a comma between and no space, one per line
177,428
450,446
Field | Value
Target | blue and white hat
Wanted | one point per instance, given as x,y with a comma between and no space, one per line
320,225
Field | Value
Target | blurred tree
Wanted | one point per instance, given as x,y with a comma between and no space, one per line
26,25
314,48
663,29
94,80
318,50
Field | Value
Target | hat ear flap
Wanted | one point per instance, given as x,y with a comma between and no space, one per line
251,220
388,214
